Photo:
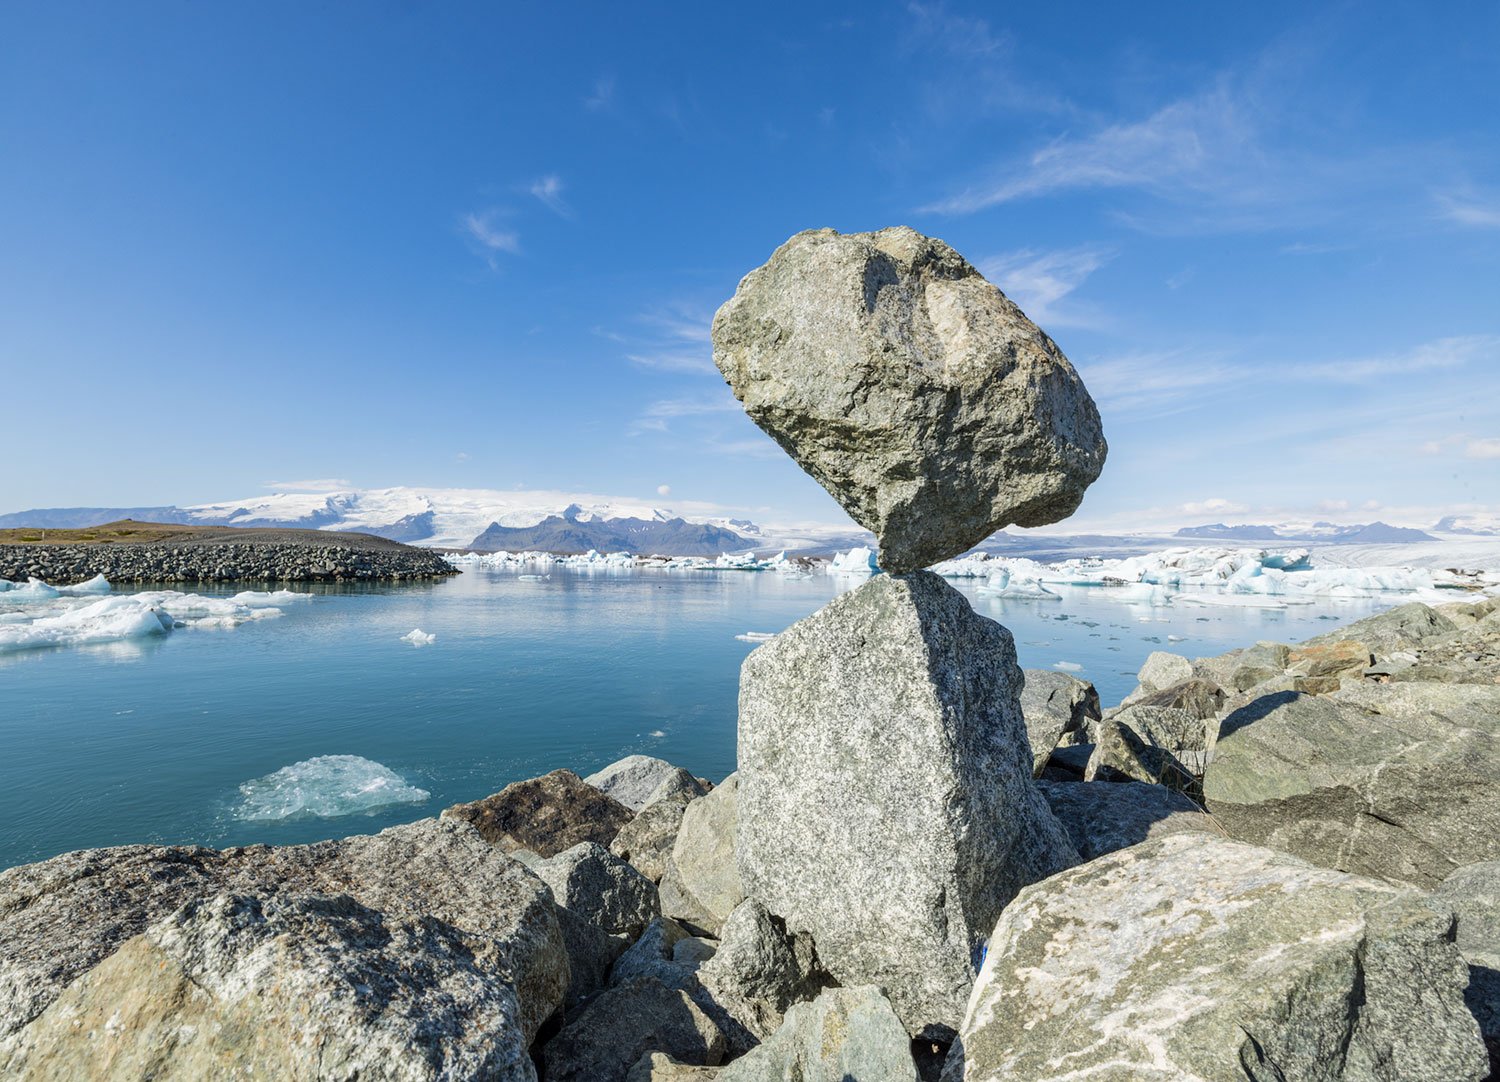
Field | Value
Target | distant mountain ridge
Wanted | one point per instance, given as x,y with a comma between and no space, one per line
1374,533
565,533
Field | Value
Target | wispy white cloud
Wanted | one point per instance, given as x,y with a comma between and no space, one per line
316,484
1159,383
1470,208
549,190
602,96
1452,352
658,416
1485,448
678,342
483,230
1038,281
1215,505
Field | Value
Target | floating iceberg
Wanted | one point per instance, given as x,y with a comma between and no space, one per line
326,787
417,637
34,614
756,636
857,561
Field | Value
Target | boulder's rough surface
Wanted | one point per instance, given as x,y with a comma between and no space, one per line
601,888
702,881
1053,704
647,840
1403,628
758,971
241,956
611,1034
1472,894
654,955
1406,797
635,779
660,1067
911,389
886,800
1162,670
1102,818
846,1033
545,815
1196,957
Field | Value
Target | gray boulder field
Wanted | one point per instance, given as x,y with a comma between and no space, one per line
604,1040
1408,796
1194,957
187,963
1472,894
601,888
911,389
1101,817
886,806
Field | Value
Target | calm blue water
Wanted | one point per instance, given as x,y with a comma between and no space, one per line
151,741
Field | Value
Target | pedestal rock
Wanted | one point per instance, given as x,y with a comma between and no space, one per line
911,389
885,797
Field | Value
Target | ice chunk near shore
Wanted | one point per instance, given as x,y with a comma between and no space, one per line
417,637
857,561
326,786
96,585
756,636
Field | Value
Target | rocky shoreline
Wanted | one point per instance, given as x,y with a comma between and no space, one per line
255,556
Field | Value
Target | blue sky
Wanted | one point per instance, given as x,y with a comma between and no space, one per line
479,245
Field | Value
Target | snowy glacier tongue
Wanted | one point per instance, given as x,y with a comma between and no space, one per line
326,786
34,614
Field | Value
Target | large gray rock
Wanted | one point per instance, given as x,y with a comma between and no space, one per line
660,1067
611,1034
1472,894
1406,797
1193,957
702,881
647,840
601,888
635,779
1053,704
170,962
1162,670
911,389
758,971
1403,628
544,815
1102,818
845,1034
886,800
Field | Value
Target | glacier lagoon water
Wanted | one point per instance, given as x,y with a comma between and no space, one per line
225,737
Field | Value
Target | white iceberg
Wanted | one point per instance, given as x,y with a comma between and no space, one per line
857,561
326,786
34,614
756,636
417,637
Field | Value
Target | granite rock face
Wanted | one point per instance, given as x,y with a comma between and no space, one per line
1196,957
1408,796
911,389
647,840
1101,818
885,792
702,881
844,1034
1472,894
545,815
178,959
1054,704
601,888
611,1034
636,779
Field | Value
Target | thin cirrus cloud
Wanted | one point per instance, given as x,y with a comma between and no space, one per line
1039,281
484,230
679,342
658,416
1453,352
602,96
1486,448
1470,209
548,190
316,484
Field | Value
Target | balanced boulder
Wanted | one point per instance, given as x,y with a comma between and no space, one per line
1195,957
886,805
909,387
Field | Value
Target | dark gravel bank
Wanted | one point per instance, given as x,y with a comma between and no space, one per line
350,558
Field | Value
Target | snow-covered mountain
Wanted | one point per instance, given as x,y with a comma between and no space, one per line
1470,525
1374,533
480,518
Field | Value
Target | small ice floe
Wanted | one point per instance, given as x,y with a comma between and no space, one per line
532,578
656,733
1176,638
325,787
417,637
1068,666
756,636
